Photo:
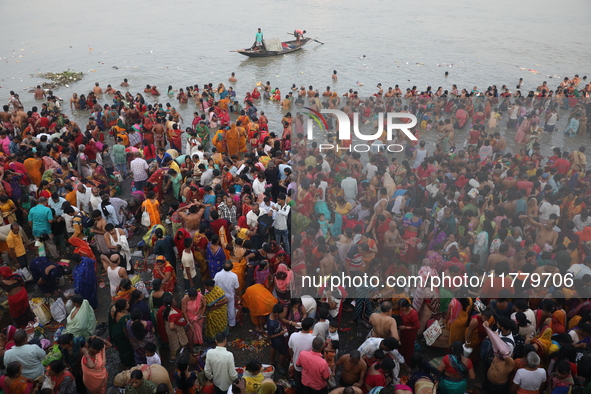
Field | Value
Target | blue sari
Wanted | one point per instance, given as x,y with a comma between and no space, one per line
85,282
215,260
50,279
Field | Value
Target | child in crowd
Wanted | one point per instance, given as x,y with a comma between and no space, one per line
152,355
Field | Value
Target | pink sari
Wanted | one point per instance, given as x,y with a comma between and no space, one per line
195,332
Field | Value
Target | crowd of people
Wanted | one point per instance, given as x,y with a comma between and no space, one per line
244,212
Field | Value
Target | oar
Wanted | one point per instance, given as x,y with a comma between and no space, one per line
313,39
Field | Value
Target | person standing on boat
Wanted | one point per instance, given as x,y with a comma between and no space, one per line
299,34
259,39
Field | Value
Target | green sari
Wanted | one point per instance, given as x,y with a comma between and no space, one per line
83,324
118,338
216,320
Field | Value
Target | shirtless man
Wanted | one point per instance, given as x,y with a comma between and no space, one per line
39,93
501,143
328,263
347,390
15,101
498,374
392,239
97,89
334,75
543,87
549,268
383,323
232,78
110,90
311,91
192,215
74,101
494,258
546,236
20,119
124,83
159,135
6,118
353,371
517,261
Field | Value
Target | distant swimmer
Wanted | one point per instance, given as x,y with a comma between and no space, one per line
124,83
334,75
232,78
97,89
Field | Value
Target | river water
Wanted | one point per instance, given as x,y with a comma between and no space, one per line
183,42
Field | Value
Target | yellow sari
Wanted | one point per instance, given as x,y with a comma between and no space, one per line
217,319
457,329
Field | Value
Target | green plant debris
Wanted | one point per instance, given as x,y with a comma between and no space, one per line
59,79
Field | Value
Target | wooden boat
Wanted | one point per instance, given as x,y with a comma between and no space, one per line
286,47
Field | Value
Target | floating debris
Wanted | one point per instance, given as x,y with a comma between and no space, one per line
59,79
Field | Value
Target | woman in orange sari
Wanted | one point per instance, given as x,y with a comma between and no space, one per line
33,165
233,140
164,271
219,140
14,381
574,208
259,301
152,206
94,371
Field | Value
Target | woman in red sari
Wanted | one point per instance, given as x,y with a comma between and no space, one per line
164,271
408,329
18,298
305,199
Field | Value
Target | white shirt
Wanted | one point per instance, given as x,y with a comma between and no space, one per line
321,329
69,219
188,262
207,177
530,380
552,119
83,200
396,208
228,282
370,170
325,167
252,218
421,154
580,224
258,187
529,315
323,186
95,202
281,218
219,367
579,270
349,186
547,209
155,359
300,342
264,208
